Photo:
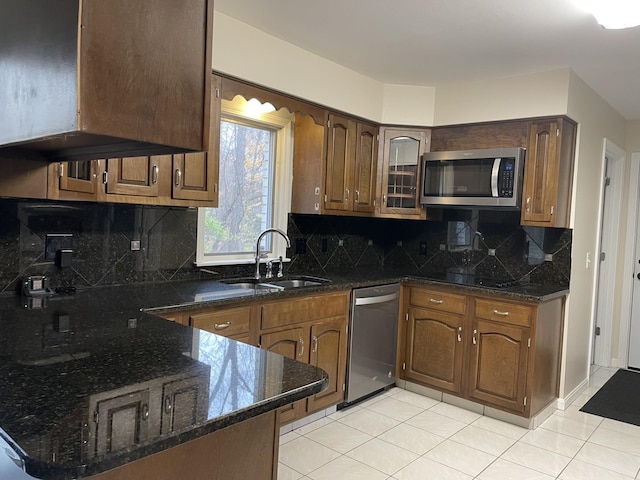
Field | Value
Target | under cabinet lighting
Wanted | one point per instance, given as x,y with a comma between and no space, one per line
613,14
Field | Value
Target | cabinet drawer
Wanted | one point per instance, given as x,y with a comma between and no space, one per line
446,302
504,312
227,322
304,309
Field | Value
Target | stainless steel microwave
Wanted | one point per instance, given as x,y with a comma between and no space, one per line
486,178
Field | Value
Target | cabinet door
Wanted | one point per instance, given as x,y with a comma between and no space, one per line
434,349
498,364
541,174
337,194
364,179
195,175
184,403
134,175
121,421
399,174
290,343
73,180
329,352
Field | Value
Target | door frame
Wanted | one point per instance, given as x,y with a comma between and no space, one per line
613,163
629,262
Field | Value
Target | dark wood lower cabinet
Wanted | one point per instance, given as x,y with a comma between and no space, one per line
245,450
501,353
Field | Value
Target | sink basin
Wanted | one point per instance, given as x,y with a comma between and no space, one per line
276,284
296,283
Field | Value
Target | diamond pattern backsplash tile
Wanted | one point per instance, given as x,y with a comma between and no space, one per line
490,244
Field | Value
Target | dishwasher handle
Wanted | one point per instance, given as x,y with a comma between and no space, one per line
379,299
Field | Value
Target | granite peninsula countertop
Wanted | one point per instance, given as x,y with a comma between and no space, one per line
63,365
60,361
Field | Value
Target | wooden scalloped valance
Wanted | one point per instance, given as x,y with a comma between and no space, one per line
231,87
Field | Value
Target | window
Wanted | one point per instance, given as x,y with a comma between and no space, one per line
254,185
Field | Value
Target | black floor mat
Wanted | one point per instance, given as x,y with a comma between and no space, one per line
618,399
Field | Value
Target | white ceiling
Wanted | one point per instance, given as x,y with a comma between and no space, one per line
435,42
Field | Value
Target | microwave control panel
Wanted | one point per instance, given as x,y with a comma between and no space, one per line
506,178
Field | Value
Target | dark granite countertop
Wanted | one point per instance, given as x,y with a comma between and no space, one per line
61,362
62,365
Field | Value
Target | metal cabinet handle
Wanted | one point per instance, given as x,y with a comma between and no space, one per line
221,326
167,404
504,314
528,204
145,411
384,199
346,192
154,174
437,302
301,346
357,196
315,344
459,334
474,338
178,177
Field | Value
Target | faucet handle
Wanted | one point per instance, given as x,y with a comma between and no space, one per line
269,269
281,268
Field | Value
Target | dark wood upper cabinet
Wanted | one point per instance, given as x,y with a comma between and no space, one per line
104,79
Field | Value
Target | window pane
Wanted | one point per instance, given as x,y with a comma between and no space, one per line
246,179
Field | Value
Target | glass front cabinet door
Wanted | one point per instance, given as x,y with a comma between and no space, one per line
400,172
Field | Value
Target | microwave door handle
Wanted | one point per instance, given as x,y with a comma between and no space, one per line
494,177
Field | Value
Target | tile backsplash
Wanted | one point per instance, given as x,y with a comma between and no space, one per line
491,244
487,243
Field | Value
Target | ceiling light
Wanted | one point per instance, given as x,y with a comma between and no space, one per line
614,14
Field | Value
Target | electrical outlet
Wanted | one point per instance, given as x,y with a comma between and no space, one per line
492,252
370,242
135,245
341,243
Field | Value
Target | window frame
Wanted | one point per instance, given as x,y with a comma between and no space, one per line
282,121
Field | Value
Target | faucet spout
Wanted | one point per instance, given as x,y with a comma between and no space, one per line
268,230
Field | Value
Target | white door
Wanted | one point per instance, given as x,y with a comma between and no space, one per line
604,299
634,332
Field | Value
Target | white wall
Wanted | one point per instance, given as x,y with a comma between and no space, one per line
535,95
407,105
597,120
245,52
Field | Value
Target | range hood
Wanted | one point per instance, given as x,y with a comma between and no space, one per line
86,79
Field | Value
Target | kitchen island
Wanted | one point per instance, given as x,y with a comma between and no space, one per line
93,387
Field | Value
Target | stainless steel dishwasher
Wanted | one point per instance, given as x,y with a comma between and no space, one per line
371,364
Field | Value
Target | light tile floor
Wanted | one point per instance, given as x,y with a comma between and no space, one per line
399,435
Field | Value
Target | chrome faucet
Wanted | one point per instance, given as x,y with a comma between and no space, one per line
268,230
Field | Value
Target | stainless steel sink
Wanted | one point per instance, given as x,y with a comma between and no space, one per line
276,284
296,283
